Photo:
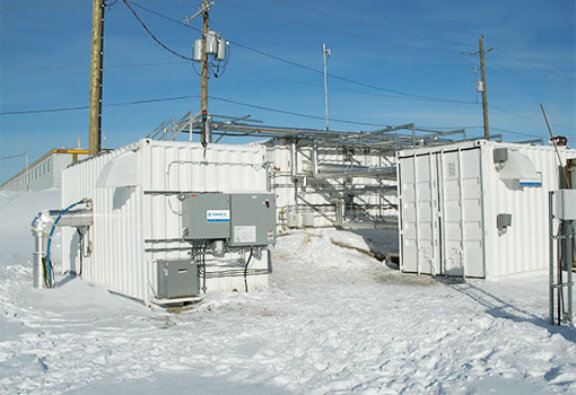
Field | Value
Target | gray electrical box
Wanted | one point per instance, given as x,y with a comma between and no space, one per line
206,216
253,219
177,279
241,219
503,221
500,155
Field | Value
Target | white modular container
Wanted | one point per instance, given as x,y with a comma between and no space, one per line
138,217
476,208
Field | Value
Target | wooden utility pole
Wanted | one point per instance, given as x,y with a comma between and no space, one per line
205,137
484,97
95,125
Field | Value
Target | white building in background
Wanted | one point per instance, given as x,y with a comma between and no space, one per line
45,172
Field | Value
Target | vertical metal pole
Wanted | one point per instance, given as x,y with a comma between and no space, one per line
568,262
294,172
462,233
325,54
38,275
442,198
433,217
484,96
551,256
27,174
315,157
95,117
416,202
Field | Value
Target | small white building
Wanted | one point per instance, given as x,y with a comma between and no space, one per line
476,208
44,173
143,244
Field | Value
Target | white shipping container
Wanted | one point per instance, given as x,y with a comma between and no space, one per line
137,215
476,208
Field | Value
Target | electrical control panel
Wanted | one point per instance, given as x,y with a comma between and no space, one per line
241,219
206,216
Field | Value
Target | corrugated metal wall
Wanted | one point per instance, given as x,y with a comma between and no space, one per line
115,243
524,246
470,196
134,226
172,167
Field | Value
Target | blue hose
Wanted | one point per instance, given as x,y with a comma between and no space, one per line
48,271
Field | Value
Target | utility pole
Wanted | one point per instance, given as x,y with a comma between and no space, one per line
325,54
95,120
205,139
484,97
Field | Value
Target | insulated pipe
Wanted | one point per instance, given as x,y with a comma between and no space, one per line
568,262
44,221
76,218
39,226
293,160
315,156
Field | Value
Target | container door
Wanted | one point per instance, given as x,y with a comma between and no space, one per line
461,214
419,214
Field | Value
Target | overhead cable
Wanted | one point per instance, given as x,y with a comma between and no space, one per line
65,109
340,32
317,71
153,36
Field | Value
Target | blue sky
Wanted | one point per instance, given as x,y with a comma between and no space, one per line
390,50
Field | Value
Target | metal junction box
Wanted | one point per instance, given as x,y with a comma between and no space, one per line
253,219
177,279
242,219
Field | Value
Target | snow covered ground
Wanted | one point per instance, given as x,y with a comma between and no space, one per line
333,321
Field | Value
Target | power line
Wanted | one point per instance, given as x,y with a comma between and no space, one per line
317,71
516,133
436,99
364,24
66,109
110,66
297,114
529,75
153,36
269,109
173,20
339,32
435,29
527,118
43,7
165,99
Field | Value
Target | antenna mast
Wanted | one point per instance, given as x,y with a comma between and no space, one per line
325,53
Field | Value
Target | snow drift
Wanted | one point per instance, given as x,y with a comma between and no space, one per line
334,320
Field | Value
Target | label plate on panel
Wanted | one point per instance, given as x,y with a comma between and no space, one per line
218,215
245,234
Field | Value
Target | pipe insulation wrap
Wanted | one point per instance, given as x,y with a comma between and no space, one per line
42,268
